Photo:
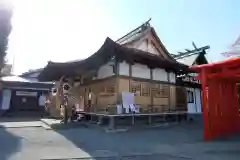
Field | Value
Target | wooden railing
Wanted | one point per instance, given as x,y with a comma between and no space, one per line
112,109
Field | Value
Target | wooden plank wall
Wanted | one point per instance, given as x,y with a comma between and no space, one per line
103,94
154,96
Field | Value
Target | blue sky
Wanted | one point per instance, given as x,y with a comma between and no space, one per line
62,30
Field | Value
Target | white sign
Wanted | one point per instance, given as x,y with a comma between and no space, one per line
6,99
190,79
26,93
127,98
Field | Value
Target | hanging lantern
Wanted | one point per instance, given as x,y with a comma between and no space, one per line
54,91
66,88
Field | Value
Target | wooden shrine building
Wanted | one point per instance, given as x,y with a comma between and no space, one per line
137,63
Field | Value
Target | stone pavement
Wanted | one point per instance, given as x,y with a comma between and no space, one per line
179,142
21,123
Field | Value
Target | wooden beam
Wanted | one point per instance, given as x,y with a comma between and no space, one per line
225,73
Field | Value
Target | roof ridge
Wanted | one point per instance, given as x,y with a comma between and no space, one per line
140,28
179,56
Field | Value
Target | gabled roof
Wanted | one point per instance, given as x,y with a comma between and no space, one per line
108,51
192,57
16,81
30,72
188,60
141,32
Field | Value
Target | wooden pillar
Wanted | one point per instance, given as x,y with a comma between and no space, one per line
111,124
130,75
207,134
151,86
117,68
81,80
169,95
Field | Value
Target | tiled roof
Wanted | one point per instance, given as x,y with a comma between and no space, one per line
108,50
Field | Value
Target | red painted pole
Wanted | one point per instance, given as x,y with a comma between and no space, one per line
236,108
207,133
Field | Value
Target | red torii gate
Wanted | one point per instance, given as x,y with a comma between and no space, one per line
220,97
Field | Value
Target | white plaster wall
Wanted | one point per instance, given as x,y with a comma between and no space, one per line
160,75
198,100
152,49
141,71
143,46
172,77
191,106
105,70
124,68
196,106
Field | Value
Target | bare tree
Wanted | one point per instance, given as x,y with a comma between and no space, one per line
5,29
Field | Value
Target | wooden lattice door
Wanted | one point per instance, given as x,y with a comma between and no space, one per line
181,99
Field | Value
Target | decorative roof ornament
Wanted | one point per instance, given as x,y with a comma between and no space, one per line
137,30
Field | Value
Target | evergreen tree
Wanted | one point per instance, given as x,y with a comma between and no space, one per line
5,29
